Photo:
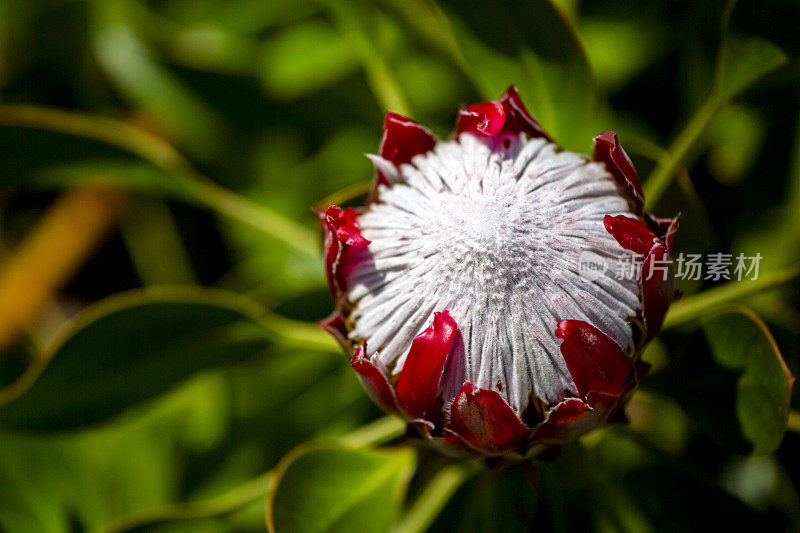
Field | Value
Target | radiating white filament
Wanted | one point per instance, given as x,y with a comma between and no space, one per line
494,237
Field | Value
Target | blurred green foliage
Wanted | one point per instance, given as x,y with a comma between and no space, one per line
161,387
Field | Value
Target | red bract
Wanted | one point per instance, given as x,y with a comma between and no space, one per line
496,291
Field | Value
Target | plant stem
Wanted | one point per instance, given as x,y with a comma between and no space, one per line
696,305
677,153
109,131
793,423
381,430
160,153
374,433
239,208
435,496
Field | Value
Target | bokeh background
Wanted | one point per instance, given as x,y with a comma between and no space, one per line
160,272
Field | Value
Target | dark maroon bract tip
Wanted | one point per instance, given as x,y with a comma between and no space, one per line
630,233
595,361
484,420
608,150
421,378
507,115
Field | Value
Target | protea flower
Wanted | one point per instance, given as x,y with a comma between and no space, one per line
459,290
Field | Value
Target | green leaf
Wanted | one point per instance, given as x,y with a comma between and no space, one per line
137,176
131,348
168,172
740,341
703,304
534,46
359,22
327,488
134,70
743,61
735,138
304,58
621,48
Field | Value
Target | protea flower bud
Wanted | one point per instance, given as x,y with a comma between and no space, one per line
459,289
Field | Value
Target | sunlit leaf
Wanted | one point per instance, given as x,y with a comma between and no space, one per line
743,61
535,46
740,341
736,138
620,48
130,175
132,348
168,103
304,58
328,488
360,24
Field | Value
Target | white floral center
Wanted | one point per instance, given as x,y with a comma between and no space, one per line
493,237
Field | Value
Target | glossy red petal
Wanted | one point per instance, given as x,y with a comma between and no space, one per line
608,150
343,245
566,420
595,361
664,228
487,118
402,140
658,290
518,119
343,223
331,248
374,380
630,233
483,419
423,371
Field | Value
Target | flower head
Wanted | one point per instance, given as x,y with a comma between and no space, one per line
474,292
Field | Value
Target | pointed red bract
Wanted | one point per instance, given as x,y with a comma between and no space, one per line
518,119
402,140
608,150
658,289
565,419
373,379
664,228
423,371
487,118
342,236
334,324
594,360
483,419
630,233
343,223
507,116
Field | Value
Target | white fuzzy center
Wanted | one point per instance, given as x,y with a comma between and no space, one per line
494,238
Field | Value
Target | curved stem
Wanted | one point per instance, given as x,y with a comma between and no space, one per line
221,505
193,186
435,496
676,155
377,432
381,430
793,424
694,306
109,131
